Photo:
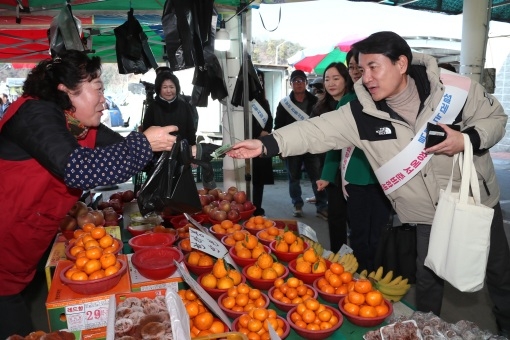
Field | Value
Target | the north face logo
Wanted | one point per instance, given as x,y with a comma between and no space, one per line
383,131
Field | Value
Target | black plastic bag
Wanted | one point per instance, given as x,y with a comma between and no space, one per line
171,186
397,251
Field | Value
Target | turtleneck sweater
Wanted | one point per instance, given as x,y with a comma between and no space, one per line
406,103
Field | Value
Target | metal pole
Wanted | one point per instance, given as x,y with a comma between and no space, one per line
246,104
276,55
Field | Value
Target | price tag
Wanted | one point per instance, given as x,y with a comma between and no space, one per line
196,224
210,245
272,333
204,296
87,315
345,249
206,243
307,231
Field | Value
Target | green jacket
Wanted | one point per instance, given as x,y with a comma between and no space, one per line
359,170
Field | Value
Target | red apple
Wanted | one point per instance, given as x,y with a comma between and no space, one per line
79,208
233,215
214,192
219,215
98,217
85,218
248,205
68,223
116,195
116,204
127,196
103,205
224,205
204,200
240,197
232,190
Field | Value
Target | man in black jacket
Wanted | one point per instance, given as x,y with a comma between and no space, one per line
298,106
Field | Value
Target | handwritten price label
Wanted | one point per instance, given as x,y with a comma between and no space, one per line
87,315
204,296
307,231
196,224
206,243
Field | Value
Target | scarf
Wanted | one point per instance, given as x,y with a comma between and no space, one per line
75,126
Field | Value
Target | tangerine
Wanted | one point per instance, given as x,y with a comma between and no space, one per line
362,286
374,298
351,308
203,321
346,277
92,266
356,298
107,260
87,227
382,310
98,232
79,276
106,241
367,312
94,253
111,270
336,268
192,309
97,275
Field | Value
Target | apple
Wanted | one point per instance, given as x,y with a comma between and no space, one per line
98,217
215,193
79,208
202,191
110,215
116,204
204,200
248,205
222,195
233,214
215,203
127,196
68,223
239,207
206,209
219,215
229,197
240,197
103,205
116,195
232,190
224,205
85,218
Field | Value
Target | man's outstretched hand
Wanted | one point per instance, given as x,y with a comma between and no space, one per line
249,148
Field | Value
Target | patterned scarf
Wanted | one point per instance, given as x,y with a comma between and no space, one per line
75,126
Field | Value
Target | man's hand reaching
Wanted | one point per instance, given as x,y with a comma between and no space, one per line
249,148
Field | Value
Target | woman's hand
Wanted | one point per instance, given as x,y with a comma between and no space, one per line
160,138
249,148
322,184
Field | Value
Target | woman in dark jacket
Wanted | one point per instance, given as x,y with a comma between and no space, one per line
170,108
262,167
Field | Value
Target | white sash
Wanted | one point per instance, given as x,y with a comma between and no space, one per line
408,162
344,163
293,110
258,112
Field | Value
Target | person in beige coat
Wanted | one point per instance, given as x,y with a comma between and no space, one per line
398,94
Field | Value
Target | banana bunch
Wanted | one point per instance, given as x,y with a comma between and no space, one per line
315,245
392,289
349,262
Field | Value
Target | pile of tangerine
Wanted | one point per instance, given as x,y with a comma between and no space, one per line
222,276
270,233
254,324
265,268
310,262
249,247
243,298
258,223
313,315
238,235
200,259
226,227
202,321
94,250
336,280
364,301
293,291
290,243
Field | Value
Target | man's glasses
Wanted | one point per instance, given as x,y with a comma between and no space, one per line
298,81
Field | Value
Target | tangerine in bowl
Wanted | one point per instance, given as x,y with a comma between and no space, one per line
198,263
215,293
244,260
261,283
230,304
297,291
281,326
368,316
287,256
256,223
307,278
332,317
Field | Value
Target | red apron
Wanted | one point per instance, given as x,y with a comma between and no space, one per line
32,203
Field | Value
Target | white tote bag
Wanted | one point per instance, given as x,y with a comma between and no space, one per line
460,235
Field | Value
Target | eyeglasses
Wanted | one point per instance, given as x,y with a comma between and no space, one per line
298,81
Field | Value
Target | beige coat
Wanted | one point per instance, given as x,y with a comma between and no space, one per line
416,200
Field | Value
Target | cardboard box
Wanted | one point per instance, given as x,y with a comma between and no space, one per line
141,283
58,252
75,312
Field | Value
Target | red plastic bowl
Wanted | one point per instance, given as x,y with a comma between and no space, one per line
317,334
252,230
197,270
215,292
218,236
73,258
149,240
286,306
242,262
286,256
333,298
247,213
263,284
156,263
91,287
223,242
184,251
305,277
212,221
262,240
286,326
365,322
233,314
181,221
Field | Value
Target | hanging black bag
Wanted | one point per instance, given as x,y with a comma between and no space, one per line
171,186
